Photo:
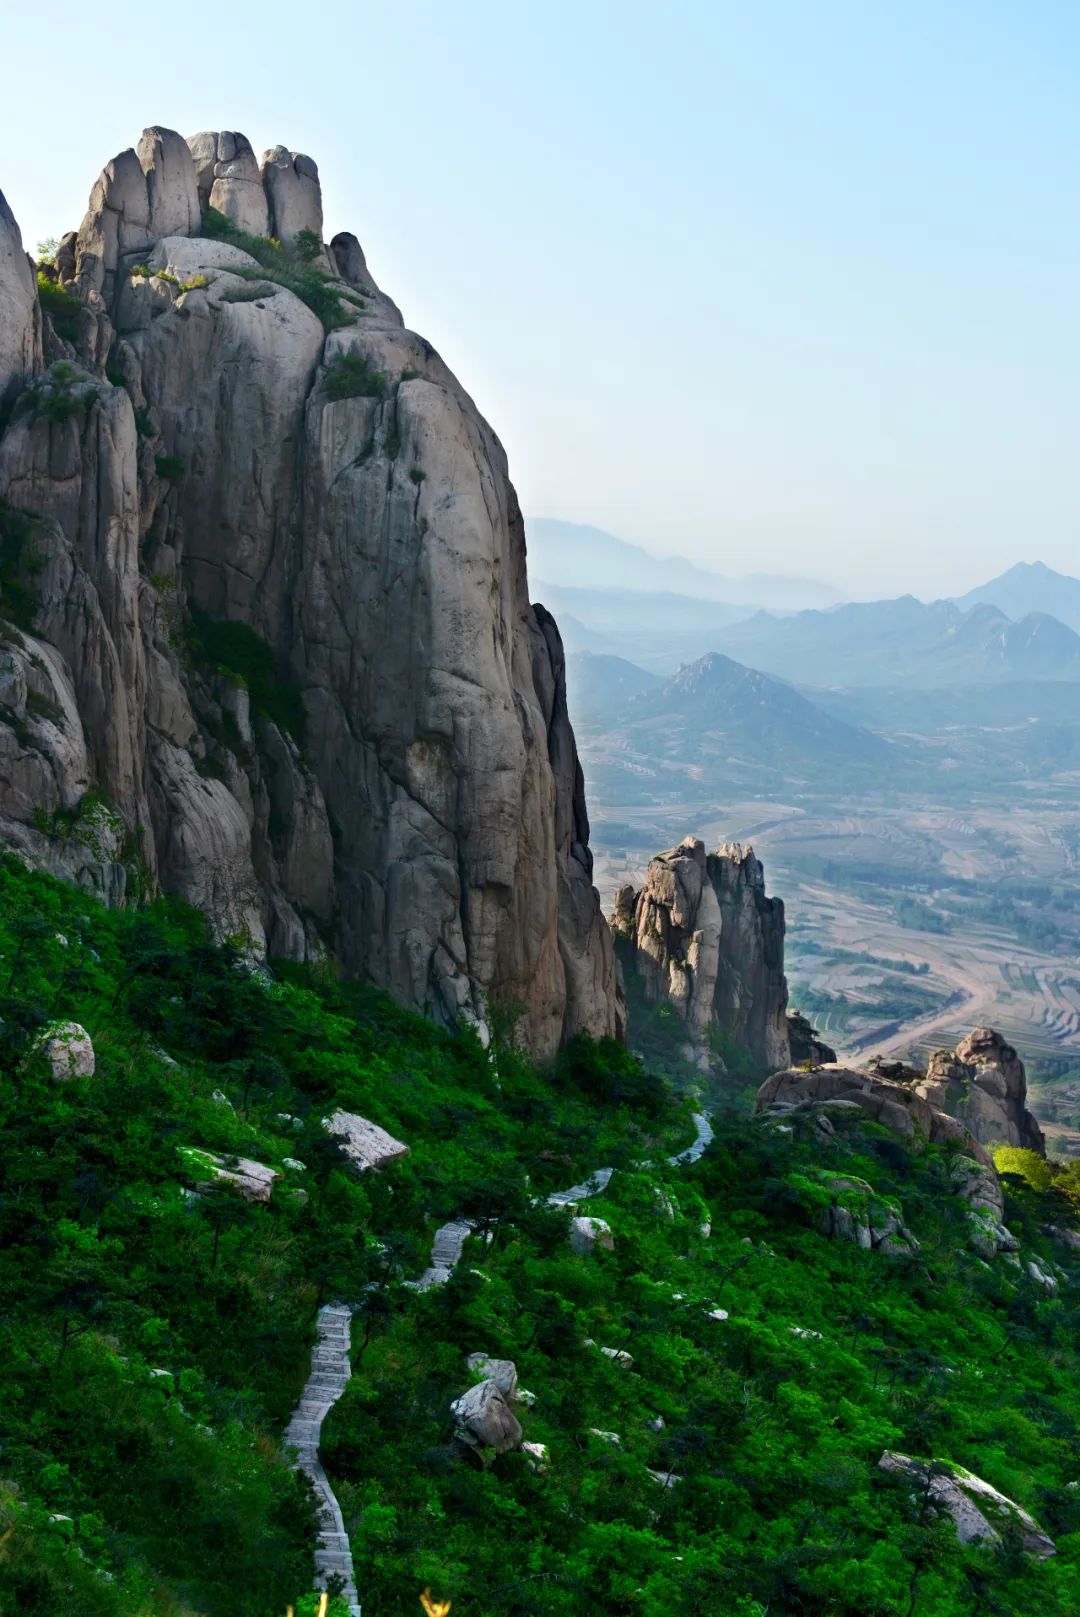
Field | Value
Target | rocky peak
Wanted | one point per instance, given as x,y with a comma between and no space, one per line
703,936
983,1083
274,611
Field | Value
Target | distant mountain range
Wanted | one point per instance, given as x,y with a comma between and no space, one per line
615,599
653,628
905,642
575,556
715,722
1029,587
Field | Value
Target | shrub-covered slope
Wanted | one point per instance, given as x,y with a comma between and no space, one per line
153,1339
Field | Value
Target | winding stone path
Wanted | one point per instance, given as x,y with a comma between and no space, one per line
702,1140
330,1367
330,1371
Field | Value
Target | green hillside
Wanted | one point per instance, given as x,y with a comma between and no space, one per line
154,1336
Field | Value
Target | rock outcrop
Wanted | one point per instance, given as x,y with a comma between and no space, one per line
977,1510
806,1044
265,595
817,1099
20,317
982,1082
68,1050
859,1215
702,935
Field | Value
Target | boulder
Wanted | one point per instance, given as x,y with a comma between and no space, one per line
68,1050
228,178
978,1511
254,1180
864,1218
485,1419
983,1083
365,1144
293,193
703,937
503,1372
589,1234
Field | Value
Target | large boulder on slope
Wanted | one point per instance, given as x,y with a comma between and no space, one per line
978,1511
364,1143
485,1419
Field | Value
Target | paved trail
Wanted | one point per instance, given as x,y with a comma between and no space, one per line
325,1385
330,1367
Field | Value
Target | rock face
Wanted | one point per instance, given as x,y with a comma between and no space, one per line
978,1511
20,317
812,1099
983,1083
703,936
273,606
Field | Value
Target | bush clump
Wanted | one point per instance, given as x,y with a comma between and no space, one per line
350,376
63,308
289,264
235,649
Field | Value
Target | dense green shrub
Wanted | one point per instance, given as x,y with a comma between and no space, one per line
350,376
235,649
19,566
62,308
170,467
290,265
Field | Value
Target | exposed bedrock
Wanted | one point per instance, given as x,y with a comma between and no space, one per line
276,610
703,936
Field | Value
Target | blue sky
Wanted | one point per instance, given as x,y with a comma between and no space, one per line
790,285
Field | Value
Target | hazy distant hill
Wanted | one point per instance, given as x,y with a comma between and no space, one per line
575,556
601,687
1029,587
717,722
905,642
655,629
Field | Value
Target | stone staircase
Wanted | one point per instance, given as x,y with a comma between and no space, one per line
330,1369
445,1253
329,1372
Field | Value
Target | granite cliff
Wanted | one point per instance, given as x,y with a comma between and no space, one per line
267,637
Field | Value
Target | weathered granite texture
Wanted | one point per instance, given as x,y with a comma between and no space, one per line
704,936
211,464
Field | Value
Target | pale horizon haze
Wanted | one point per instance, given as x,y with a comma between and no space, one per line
779,288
